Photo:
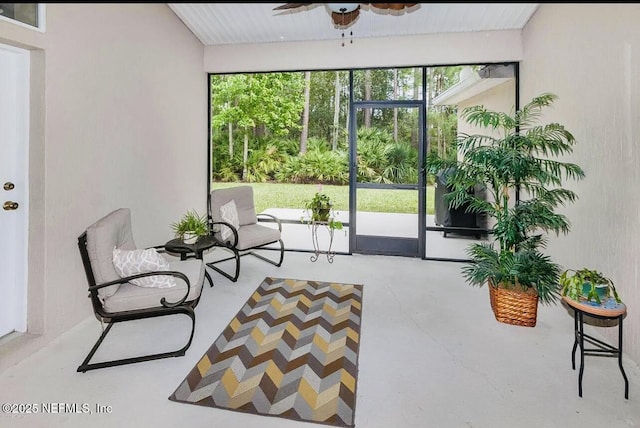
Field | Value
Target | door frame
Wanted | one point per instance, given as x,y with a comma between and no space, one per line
410,247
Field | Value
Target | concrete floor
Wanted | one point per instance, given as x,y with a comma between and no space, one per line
431,355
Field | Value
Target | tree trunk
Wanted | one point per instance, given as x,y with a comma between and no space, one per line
260,130
305,114
230,141
367,97
346,121
395,110
336,112
245,155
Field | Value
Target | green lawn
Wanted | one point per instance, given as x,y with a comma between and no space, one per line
276,195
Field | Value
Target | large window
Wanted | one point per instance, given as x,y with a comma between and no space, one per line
287,134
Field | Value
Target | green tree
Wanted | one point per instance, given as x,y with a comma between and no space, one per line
305,113
328,110
270,100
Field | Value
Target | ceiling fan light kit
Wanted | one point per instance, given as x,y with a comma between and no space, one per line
343,7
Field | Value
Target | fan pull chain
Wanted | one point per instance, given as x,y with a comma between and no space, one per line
350,38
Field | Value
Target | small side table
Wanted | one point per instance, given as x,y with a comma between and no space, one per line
192,250
315,225
609,310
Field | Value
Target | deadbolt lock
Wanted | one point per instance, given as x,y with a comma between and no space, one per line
10,205
9,185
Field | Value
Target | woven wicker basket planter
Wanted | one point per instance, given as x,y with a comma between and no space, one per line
515,307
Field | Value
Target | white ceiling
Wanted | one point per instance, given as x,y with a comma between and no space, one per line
235,23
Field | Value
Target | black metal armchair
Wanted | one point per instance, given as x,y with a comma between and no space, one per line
234,225
116,299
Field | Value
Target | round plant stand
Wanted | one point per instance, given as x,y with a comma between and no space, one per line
315,225
609,309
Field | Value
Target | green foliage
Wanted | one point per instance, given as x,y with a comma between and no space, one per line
380,160
320,201
320,208
287,195
402,161
263,163
527,268
248,100
318,144
518,158
442,131
267,108
322,102
315,166
573,285
191,223
372,159
226,174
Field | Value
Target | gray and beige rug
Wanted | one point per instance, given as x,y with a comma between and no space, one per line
291,352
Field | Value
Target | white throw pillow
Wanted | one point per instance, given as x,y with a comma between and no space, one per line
229,214
132,262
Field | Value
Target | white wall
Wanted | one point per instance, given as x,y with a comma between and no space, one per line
500,98
488,46
121,98
589,55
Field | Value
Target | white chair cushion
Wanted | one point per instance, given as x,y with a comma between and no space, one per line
132,262
130,297
229,214
243,198
112,230
254,235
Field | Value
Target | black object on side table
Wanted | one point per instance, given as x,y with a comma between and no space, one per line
191,250
609,309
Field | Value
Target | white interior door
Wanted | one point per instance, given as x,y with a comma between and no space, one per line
14,137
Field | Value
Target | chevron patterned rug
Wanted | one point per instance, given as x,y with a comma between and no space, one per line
291,352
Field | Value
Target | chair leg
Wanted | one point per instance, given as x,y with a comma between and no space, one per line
85,366
236,257
273,262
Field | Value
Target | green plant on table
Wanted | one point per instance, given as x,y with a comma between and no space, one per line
513,159
191,224
320,208
587,284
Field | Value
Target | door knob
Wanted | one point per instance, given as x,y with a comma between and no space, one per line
10,205
9,185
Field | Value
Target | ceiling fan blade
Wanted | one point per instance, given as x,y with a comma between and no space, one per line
291,6
392,6
343,20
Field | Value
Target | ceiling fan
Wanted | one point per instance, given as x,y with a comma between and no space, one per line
345,14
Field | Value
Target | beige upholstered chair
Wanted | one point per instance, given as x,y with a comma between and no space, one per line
116,299
243,233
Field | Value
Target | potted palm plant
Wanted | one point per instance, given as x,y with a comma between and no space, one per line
514,162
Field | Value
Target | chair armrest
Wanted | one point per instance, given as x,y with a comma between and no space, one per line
276,219
160,248
233,229
163,301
